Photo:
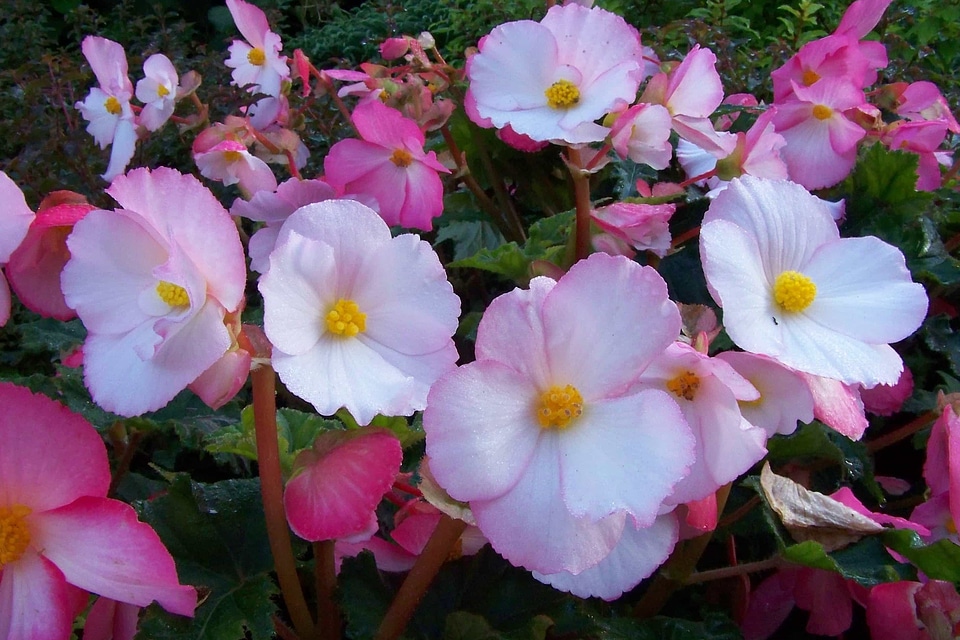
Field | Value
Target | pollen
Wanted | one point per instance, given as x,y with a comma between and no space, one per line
232,156
562,94
345,319
794,291
822,112
809,77
685,385
256,56
173,294
401,158
14,533
162,91
112,105
559,406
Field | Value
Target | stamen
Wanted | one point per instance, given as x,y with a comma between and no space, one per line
256,56
173,294
685,385
345,319
232,156
162,91
794,291
822,112
112,105
401,158
14,534
562,94
559,406
809,77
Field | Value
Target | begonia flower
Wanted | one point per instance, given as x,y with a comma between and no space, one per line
111,620
389,165
791,288
562,460
922,137
15,219
550,80
886,400
907,610
107,107
153,287
784,397
642,133
645,227
387,312
256,63
231,163
157,91
60,534
941,512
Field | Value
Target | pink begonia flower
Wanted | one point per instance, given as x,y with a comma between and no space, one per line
153,287
941,512
914,611
691,93
59,531
224,378
256,63
550,80
15,219
111,620
923,101
837,405
791,288
821,144
388,312
644,227
273,209
923,138
390,165
784,397
107,107
35,267
642,133
545,426
157,91
886,400
337,484
707,391
230,162
845,496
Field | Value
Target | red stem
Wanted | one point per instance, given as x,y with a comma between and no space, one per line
581,195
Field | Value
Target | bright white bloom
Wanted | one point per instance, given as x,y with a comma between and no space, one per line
157,91
791,288
357,319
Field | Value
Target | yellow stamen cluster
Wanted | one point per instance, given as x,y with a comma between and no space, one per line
232,156
822,112
14,534
809,77
794,291
112,105
401,158
346,319
173,294
685,385
256,56
162,91
559,406
562,94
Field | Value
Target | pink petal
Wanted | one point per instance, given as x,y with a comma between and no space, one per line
109,63
824,594
837,405
861,17
100,546
770,604
386,127
49,456
223,380
111,620
844,495
341,483
892,613
251,21
15,217
35,602
5,300
784,399
695,88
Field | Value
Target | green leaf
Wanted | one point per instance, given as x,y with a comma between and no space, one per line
715,627
469,237
364,597
940,336
940,560
462,625
47,334
218,537
866,561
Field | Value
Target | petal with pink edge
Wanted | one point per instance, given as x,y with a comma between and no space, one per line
35,602
111,620
251,21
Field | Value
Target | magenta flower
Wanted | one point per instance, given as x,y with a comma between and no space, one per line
153,287
357,319
15,219
550,80
561,459
59,533
256,63
914,611
389,165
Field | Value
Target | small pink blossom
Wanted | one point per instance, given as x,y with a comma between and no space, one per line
61,533
153,288
886,400
923,101
784,397
256,63
230,162
642,133
645,227
157,91
922,137
389,165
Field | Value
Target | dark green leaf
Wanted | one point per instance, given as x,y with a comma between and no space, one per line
462,625
866,561
364,596
940,560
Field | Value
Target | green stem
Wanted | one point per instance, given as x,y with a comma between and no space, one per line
436,552
271,490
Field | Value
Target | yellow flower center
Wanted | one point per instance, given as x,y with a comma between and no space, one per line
562,94
685,385
401,158
559,406
256,56
112,105
822,112
173,294
162,91
232,156
14,534
809,77
950,526
794,291
346,319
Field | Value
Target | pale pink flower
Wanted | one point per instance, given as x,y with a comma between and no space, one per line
837,405
642,133
923,101
230,163
107,107
791,288
153,286
386,312
337,484
157,91
550,80
61,534
645,227
15,219
546,427
784,397
256,63
389,165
